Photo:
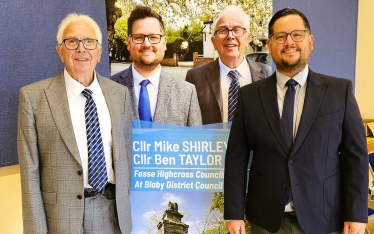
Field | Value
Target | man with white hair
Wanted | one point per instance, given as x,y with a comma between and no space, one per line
74,142
217,83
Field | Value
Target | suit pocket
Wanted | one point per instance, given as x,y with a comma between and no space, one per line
332,198
327,117
49,198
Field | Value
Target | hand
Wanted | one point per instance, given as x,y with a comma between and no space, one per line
235,227
354,228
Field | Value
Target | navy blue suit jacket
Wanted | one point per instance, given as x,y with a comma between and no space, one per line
327,168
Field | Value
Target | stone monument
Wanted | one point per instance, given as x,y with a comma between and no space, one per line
171,222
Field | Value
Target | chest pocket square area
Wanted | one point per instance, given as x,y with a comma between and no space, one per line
322,118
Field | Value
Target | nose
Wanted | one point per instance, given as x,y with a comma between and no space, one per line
289,40
81,47
146,42
230,35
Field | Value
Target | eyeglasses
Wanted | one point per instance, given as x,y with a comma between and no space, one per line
73,44
236,32
281,37
152,38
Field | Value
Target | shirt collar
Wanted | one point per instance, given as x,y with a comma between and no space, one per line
154,78
76,88
242,69
299,77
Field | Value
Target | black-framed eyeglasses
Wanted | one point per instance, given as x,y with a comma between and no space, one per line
296,36
152,38
73,44
236,32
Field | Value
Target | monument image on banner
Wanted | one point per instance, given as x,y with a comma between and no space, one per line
178,172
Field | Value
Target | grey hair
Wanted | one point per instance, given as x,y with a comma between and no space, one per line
74,17
238,11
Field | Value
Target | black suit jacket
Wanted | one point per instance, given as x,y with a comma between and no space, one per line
206,79
327,168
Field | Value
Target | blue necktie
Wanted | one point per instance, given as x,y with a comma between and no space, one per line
288,112
287,120
144,106
97,175
233,93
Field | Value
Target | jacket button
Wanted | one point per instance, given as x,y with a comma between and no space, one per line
79,196
79,172
290,162
285,185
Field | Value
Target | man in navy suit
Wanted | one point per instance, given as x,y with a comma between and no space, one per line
309,172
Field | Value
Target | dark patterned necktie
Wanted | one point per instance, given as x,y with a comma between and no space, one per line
233,93
288,112
287,119
144,105
97,175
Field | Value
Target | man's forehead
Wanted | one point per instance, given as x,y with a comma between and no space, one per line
288,22
79,28
229,20
75,36
146,25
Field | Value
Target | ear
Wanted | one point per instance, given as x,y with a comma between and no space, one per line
128,42
311,40
100,52
268,42
248,40
213,39
165,42
59,52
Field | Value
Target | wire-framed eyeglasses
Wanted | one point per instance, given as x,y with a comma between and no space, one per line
296,36
73,44
236,32
152,38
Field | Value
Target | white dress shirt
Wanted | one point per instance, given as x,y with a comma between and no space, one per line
300,88
152,87
244,79
77,103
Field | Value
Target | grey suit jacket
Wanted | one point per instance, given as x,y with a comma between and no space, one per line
176,101
206,79
51,178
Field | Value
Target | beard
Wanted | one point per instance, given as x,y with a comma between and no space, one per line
293,67
144,63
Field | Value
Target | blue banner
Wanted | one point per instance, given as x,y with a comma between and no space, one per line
175,158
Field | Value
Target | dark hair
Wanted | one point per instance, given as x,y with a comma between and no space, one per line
285,12
141,12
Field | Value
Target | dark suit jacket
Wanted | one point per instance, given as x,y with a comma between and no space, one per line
206,79
176,100
327,168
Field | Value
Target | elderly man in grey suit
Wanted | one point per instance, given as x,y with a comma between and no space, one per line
155,94
217,83
74,142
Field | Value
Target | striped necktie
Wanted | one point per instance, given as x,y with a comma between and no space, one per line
233,93
97,175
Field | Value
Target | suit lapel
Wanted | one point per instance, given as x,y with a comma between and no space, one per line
111,100
59,105
255,70
313,97
214,78
268,94
128,81
163,97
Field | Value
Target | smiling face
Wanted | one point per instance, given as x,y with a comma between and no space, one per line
231,49
290,57
79,62
146,56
